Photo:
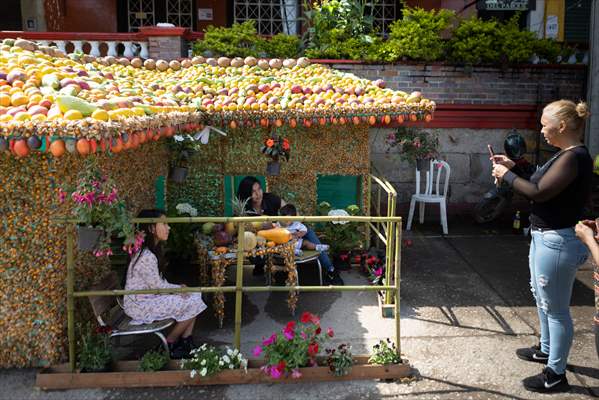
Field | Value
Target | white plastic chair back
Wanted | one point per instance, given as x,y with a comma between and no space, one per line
435,171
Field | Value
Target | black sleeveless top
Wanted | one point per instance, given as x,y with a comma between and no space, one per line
559,189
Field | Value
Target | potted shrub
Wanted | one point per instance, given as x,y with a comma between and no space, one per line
343,237
182,148
95,353
275,147
153,360
413,145
208,360
100,212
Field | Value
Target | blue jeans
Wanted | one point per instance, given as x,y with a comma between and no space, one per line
554,257
324,259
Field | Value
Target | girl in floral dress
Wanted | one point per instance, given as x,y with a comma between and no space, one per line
144,273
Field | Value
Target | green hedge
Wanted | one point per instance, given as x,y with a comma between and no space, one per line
336,29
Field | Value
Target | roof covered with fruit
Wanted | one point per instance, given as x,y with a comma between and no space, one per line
47,96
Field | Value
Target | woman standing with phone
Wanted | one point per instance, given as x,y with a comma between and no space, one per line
558,192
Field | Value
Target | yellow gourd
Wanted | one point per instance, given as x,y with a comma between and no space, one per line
277,235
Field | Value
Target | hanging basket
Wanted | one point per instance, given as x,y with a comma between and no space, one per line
88,238
273,168
178,174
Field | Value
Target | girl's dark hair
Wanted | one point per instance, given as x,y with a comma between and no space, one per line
288,210
244,190
150,241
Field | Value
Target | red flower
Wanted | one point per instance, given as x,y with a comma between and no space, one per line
305,318
270,143
330,332
281,366
286,144
313,349
344,257
290,326
318,330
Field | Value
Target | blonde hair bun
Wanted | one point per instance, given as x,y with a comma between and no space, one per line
582,109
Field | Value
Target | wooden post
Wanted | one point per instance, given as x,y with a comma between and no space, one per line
397,285
388,250
239,283
70,298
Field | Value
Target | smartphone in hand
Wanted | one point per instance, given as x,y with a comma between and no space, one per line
491,152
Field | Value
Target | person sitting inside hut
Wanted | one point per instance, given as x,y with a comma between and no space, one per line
144,273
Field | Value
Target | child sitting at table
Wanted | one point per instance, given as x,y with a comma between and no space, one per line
298,231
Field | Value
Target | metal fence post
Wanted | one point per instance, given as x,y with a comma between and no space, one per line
239,282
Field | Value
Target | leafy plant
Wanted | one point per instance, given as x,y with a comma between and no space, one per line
275,147
475,41
240,40
282,46
181,149
153,361
384,352
296,346
341,235
418,35
517,46
551,51
180,239
208,360
94,348
331,23
96,204
340,360
413,144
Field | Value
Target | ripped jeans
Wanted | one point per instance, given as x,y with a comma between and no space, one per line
554,257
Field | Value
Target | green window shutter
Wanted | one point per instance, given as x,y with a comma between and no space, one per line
159,193
231,185
339,190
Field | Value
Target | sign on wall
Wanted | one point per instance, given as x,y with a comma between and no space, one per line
506,5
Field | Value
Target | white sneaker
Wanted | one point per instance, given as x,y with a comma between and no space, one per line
322,247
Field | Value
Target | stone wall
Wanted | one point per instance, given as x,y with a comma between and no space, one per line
464,149
480,85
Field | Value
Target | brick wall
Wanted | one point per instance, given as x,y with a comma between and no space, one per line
165,47
482,85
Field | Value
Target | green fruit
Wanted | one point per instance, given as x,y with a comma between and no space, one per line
207,228
67,103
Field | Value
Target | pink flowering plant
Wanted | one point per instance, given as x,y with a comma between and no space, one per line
412,144
95,203
294,347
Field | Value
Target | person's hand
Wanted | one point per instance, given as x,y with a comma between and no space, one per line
184,295
503,160
585,232
499,171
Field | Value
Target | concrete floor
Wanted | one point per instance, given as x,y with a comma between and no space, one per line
466,307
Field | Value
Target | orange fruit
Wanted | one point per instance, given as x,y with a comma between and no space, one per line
399,119
19,99
4,100
83,147
57,148
20,148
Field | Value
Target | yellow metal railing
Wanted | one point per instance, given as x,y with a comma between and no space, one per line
391,236
382,229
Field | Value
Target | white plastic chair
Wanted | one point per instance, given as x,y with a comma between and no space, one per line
434,174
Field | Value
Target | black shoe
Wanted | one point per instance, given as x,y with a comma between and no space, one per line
547,382
177,350
333,278
533,354
258,270
187,344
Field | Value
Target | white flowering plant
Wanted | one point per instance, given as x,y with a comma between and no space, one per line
341,235
208,360
181,237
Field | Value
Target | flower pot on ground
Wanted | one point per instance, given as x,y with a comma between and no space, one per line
341,236
94,349
88,238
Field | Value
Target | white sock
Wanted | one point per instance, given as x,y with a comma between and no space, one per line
322,247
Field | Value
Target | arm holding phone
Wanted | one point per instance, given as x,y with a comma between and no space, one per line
587,233
501,163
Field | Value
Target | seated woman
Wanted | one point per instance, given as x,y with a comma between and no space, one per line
261,203
144,273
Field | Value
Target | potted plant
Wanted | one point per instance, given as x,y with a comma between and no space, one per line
296,346
181,244
343,237
384,353
340,360
95,353
100,212
208,360
153,360
413,145
182,148
275,147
